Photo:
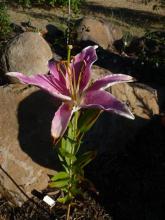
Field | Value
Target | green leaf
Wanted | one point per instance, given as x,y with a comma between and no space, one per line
87,119
85,159
67,144
59,184
67,157
76,191
60,176
64,199
63,142
79,172
67,154
60,157
71,129
65,167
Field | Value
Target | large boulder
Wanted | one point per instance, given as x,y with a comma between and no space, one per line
142,99
26,150
27,53
98,31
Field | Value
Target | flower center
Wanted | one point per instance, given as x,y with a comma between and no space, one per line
73,74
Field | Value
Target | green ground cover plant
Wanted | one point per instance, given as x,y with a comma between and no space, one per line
75,4
5,28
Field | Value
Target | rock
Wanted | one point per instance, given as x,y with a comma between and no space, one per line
141,98
99,72
26,151
27,53
98,31
17,28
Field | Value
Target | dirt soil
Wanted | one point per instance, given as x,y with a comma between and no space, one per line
129,4
130,15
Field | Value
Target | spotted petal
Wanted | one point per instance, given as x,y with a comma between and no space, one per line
44,82
60,121
110,80
58,70
105,101
82,63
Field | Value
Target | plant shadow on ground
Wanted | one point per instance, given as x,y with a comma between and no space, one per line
130,16
131,180
35,114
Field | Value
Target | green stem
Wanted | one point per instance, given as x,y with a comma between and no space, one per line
75,121
68,25
68,212
76,133
69,48
73,136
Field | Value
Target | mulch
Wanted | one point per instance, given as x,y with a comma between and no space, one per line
36,209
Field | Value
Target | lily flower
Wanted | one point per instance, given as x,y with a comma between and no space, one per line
72,84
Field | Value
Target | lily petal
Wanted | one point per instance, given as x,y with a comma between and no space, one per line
42,81
54,70
85,59
107,102
110,80
60,121
58,75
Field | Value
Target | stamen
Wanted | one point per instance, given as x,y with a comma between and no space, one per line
80,75
74,78
69,72
59,68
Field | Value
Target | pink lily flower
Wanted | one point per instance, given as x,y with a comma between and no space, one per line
72,84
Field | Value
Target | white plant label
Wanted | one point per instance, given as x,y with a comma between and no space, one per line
49,201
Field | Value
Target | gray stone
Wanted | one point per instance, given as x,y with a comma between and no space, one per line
26,150
141,99
99,31
27,53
